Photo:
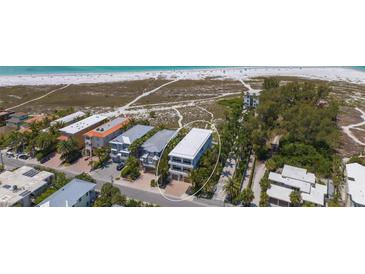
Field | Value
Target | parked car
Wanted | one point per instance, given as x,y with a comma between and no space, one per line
10,154
23,156
120,166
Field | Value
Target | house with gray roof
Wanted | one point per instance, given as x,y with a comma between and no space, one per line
120,145
16,119
77,193
151,149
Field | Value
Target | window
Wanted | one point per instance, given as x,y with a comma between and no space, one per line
176,159
187,162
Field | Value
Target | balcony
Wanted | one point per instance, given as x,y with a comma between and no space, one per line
180,164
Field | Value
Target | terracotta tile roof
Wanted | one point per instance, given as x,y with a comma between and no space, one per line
108,128
37,118
63,138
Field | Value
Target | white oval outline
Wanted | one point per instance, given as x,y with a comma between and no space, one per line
215,166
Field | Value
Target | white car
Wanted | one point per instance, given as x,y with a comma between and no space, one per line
10,154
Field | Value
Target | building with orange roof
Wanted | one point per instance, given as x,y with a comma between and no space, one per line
25,127
35,119
101,135
78,129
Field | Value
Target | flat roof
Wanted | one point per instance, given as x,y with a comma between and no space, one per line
315,196
132,134
279,192
69,194
303,186
356,187
69,118
191,144
107,128
298,174
83,124
158,141
15,185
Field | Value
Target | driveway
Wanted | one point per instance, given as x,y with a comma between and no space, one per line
106,173
258,175
177,188
227,172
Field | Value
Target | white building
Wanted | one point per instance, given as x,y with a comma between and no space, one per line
69,118
355,178
77,130
21,186
77,193
294,178
186,155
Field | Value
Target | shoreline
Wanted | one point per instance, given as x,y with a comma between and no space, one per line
346,74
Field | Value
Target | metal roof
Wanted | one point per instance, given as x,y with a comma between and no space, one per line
69,118
158,141
69,194
191,144
132,134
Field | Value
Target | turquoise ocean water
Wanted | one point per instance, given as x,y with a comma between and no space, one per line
26,70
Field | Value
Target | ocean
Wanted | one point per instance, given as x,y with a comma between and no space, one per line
28,70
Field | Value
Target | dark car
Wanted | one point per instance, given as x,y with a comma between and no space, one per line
23,156
120,166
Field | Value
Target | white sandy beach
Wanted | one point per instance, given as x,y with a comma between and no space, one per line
322,73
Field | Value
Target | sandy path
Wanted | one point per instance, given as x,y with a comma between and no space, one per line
187,101
180,117
123,109
207,111
347,129
38,98
250,89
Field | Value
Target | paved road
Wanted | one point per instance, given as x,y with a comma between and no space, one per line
134,193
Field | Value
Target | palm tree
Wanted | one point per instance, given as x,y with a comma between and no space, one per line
69,150
247,196
230,188
16,140
295,198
